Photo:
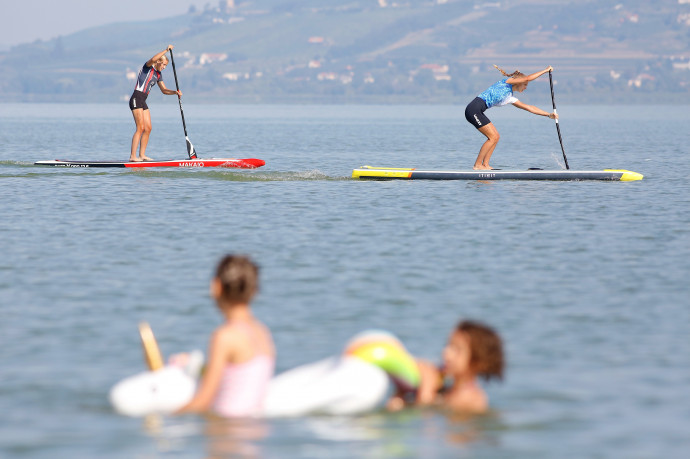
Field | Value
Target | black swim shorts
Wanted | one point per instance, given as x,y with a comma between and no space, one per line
138,100
474,113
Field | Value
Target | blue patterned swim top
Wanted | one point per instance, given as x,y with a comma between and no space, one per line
500,93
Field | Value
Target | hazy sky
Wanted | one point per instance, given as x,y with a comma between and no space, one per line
24,21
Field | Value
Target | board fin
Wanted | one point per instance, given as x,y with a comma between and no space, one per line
190,149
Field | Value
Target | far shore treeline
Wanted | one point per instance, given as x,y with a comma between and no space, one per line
371,51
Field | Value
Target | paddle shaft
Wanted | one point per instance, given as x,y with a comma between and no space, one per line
558,128
190,151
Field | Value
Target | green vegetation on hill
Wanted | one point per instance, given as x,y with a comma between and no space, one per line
358,51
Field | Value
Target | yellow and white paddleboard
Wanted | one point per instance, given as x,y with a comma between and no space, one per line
386,173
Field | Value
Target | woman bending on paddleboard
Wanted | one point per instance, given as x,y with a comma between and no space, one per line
149,75
500,93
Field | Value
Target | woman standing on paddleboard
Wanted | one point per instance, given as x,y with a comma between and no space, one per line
500,93
149,75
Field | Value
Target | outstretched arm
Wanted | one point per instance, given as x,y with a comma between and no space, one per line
155,58
527,78
168,92
535,110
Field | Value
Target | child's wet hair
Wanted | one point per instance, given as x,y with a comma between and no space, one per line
239,278
486,349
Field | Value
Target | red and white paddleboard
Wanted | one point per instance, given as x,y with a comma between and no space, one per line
244,163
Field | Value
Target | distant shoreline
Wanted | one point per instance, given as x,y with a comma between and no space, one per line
563,99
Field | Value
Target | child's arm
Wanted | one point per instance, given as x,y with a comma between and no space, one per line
219,348
430,382
396,402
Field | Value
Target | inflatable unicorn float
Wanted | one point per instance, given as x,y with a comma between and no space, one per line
359,380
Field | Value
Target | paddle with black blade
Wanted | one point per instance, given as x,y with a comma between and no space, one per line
558,128
190,148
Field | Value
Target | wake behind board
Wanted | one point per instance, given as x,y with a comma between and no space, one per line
245,163
388,173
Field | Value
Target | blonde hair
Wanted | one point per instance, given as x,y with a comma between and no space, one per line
516,73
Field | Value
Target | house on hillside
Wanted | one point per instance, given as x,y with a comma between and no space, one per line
440,72
640,79
681,65
327,76
209,58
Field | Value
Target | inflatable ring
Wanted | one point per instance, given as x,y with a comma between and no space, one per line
340,385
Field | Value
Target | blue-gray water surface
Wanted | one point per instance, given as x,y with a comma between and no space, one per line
587,282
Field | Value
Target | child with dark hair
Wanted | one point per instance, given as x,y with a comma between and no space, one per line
473,351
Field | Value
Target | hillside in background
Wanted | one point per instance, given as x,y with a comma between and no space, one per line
371,51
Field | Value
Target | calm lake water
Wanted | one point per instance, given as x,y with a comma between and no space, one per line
587,282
